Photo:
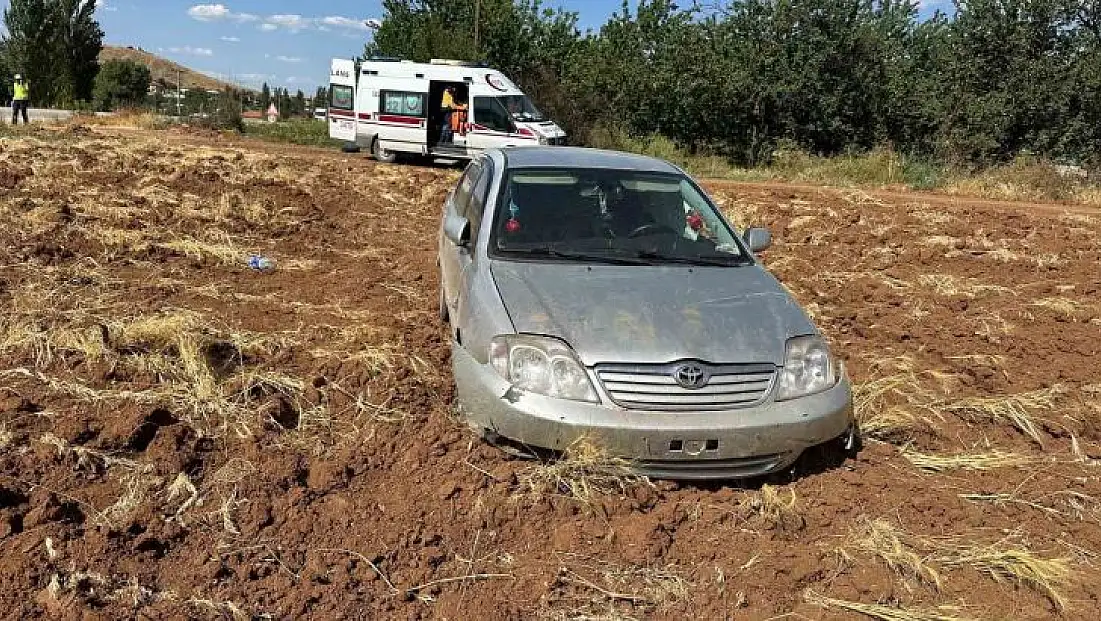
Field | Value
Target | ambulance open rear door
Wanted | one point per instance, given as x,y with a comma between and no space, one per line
342,100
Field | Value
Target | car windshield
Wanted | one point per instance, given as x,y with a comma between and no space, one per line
521,108
612,216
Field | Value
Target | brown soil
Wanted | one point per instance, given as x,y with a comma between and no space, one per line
325,475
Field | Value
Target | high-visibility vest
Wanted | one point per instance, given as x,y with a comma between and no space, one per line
22,91
458,118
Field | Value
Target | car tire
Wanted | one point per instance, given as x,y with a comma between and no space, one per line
350,147
382,155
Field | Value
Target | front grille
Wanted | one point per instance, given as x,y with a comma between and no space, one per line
654,387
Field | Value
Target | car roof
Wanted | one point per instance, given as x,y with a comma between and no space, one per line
578,157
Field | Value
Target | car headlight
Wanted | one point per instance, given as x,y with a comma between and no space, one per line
541,365
808,368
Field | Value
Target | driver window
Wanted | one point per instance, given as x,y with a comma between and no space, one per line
489,113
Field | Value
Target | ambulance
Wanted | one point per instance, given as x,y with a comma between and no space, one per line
393,107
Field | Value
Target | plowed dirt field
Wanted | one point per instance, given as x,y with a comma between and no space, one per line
182,437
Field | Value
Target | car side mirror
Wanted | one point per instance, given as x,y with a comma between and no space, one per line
757,238
457,229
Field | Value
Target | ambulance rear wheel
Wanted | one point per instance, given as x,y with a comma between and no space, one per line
381,154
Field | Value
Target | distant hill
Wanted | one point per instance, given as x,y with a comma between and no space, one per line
162,68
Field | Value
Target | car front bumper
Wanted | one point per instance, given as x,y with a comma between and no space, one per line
725,444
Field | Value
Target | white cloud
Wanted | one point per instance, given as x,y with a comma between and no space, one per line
337,21
288,59
255,78
295,23
218,12
193,51
231,39
290,22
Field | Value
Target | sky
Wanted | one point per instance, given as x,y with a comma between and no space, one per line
286,43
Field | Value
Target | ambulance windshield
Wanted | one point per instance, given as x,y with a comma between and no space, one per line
521,109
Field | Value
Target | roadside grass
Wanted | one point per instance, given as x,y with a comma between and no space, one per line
136,118
306,132
1025,179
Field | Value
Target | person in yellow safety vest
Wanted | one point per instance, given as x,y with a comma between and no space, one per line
447,104
21,100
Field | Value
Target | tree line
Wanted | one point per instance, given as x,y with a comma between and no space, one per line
986,82
290,106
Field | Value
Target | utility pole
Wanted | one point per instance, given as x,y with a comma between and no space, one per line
477,15
179,101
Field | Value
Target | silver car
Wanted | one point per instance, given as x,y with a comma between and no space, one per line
600,294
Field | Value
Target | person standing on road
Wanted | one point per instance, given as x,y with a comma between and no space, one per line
21,100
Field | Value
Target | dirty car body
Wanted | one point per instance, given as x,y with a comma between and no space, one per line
599,294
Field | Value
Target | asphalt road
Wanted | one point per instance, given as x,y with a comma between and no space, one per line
41,114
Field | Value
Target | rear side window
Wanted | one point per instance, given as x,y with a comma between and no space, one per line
342,97
402,103
478,200
465,189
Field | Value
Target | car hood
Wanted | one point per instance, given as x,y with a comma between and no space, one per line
643,314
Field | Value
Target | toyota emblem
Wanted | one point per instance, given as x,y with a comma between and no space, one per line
691,376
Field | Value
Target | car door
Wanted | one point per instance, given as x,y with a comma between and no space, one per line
468,261
491,126
456,205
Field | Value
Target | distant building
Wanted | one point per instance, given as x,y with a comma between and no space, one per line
273,113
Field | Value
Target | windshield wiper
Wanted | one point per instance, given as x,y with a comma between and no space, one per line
571,255
717,261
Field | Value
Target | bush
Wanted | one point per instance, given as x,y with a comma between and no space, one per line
306,132
661,147
120,83
226,115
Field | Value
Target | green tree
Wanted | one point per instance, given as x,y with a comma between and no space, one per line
265,97
300,103
121,83
286,106
227,111
321,97
1012,67
28,46
77,42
